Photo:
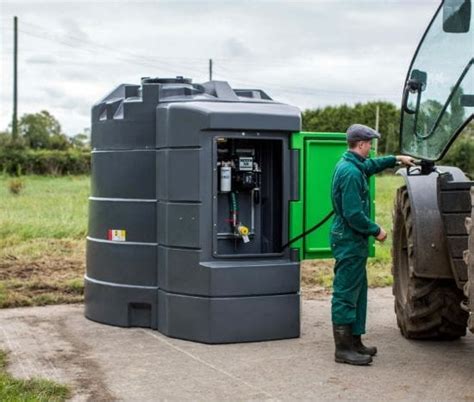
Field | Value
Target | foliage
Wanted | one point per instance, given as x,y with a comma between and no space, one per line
42,148
461,153
80,141
339,118
12,389
16,186
7,142
44,162
5,139
42,131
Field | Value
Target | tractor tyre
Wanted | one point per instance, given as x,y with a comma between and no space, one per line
426,308
469,259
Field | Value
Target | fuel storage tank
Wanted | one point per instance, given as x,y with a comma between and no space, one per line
191,185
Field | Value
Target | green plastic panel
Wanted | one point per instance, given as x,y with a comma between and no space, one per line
318,156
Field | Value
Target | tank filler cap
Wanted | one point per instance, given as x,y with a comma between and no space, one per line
156,80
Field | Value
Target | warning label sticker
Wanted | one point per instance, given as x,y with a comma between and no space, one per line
116,235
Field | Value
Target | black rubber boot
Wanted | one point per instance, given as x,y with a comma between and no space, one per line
361,348
345,351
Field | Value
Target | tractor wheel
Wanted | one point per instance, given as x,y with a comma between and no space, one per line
425,308
469,258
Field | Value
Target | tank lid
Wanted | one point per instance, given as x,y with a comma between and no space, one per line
156,80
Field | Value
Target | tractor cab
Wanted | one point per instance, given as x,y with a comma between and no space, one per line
438,97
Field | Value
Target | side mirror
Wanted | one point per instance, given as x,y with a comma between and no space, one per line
420,78
456,16
416,84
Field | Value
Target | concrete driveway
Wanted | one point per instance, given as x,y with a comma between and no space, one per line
107,363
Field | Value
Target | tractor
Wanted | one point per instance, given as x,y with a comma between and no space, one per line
433,236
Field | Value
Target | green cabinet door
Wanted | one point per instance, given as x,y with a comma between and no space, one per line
318,156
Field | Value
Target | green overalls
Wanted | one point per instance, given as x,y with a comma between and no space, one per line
349,236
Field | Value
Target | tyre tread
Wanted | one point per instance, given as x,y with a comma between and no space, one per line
425,308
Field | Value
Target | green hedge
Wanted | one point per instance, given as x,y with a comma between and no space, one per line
44,162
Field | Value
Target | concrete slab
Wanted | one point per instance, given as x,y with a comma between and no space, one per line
108,363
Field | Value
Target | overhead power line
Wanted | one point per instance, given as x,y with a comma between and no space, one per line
133,58
86,41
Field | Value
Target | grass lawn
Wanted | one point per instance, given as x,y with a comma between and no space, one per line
42,247
12,389
42,233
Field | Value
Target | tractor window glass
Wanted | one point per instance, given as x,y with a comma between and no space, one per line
439,96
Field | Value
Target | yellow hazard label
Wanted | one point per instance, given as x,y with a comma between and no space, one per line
117,235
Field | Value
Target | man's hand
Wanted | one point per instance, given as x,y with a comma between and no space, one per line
406,160
382,236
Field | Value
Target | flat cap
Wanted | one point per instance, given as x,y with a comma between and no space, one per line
359,132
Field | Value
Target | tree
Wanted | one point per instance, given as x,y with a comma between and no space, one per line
5,139
339,118
42,131
8,142
80,141
461,153
458,115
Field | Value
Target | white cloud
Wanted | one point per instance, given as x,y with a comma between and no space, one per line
41,59
233,47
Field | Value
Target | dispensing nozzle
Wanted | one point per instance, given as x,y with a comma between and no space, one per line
243,231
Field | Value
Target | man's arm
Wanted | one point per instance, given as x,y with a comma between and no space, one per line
352,208
376,165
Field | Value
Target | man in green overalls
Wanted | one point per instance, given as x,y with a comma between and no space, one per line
350,232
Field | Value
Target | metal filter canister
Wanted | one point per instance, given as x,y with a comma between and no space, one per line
226,179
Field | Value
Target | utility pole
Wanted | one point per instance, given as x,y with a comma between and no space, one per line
15,81
377,118
210,69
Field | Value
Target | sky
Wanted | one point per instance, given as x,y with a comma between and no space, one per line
306,53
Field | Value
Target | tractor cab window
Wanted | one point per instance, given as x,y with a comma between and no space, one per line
438,99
